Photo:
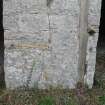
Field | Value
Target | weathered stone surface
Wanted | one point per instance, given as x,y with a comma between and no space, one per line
42,43
26,23
24,6
93,23
19,64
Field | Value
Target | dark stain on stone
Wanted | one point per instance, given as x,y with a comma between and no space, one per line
90,49
49,2
91,31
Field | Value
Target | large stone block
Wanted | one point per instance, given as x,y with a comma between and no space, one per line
26,23
42,43
24,6
22,67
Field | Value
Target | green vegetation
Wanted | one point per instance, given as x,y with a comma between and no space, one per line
102,100
95,96
46,101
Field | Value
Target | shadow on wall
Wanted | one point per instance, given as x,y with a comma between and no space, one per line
100,65
2,80
101,40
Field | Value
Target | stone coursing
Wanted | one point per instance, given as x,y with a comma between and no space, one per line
42,44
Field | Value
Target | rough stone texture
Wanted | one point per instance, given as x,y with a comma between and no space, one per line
42,43
93,23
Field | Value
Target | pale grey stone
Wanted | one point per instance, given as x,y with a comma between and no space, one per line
42,43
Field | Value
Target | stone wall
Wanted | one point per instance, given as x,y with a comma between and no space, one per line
42,43
94,13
